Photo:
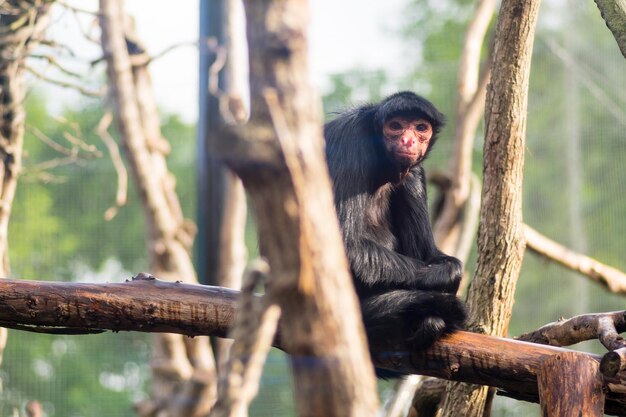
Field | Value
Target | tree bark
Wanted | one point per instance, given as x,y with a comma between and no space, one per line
500,236
181,368
21,30
279,157
614,14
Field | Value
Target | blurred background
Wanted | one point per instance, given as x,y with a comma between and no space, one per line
361,50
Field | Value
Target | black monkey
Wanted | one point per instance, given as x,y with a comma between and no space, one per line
405,284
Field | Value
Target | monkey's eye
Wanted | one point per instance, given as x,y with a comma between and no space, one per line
422,127
395,125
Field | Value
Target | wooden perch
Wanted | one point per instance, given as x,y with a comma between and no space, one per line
148,305
144,304
604,275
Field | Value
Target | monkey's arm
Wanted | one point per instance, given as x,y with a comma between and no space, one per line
414,233
376,267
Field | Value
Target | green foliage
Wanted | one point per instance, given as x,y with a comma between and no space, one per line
96,375
68,210
354,87
58,232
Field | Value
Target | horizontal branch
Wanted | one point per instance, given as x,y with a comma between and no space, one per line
146,304
143,304
607,276
602,326
605,327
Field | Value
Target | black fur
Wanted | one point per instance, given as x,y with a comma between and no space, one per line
406,285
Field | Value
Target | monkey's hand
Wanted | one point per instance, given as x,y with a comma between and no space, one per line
442,274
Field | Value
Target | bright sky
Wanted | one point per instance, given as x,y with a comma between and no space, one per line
345,34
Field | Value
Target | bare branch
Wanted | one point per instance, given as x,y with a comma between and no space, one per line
254,330
614,14
78,9
470,103
65,84
118,164
579,329
52,60
605,327
171,48
605,275
501,241
51,143
405,390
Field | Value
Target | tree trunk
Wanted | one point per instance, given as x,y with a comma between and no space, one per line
500,236
279,156
184,382
20,32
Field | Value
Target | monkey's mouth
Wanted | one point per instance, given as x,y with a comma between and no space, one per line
406,161
410,157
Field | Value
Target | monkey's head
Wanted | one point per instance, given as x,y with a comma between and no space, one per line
408,126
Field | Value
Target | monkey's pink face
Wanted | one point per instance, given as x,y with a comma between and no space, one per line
407,139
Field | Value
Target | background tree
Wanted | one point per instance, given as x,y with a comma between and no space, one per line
22,26
184,379
501,242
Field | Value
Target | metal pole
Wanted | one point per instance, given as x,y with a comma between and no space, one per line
210,172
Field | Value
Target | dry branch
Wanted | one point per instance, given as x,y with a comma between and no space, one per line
120,169
254,330
470,102
605,327
579,329
614,14
146,304
607,276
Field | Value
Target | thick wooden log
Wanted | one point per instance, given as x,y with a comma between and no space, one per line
148,305
144,304
570,384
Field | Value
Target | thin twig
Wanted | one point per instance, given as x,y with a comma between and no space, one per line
77,9
64,84
51,143
52,60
